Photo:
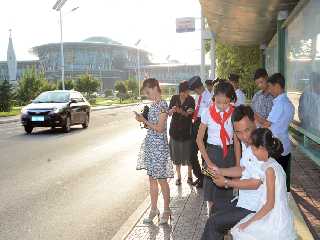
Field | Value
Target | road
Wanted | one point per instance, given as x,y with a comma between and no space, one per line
81,185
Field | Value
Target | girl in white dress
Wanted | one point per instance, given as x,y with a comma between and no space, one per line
274,220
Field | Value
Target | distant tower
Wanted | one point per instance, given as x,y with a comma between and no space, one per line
11,60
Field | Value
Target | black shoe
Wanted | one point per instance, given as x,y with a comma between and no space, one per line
190,181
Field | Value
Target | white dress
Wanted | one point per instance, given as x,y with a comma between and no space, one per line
278,223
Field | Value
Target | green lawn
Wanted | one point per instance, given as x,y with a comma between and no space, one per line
107,102
14,112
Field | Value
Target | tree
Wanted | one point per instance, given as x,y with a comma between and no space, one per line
6,96
68,84
133,86
120,86
87,85
168,90
108,92
31,85
242,60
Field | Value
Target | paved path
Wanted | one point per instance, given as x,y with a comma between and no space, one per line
77,186
190,212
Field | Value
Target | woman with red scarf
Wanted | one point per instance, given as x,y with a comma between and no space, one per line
220,150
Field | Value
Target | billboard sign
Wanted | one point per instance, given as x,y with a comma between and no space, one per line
185,24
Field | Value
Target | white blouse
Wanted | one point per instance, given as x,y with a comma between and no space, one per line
214,128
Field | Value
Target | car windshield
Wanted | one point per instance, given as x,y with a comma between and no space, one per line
52,97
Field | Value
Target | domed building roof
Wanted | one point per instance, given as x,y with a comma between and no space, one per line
99,39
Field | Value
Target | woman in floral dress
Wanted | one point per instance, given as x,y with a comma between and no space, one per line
154,154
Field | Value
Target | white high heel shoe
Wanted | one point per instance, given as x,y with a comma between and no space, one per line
152,214
166,216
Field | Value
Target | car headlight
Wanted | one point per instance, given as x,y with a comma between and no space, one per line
57,110
24,110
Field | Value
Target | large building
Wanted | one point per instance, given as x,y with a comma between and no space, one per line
172,73
105,59
101,57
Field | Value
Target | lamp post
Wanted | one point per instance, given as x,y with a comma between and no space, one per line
138,64
58,6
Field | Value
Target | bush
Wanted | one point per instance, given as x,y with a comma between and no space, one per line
242,60
5,96
31,85
108,93
92,101
68,84
87,85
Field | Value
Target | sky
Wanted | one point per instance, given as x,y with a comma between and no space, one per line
34,22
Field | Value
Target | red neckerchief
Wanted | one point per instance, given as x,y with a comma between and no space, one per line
196,111
216,117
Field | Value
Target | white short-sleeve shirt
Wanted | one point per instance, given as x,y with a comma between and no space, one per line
280,117
241,98
205,102
250,199
214,128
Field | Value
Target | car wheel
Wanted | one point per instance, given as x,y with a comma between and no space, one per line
28,129
67,126
86,122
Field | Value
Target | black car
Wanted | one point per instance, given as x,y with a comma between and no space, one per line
60,108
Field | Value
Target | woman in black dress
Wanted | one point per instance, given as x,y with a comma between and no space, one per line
181,108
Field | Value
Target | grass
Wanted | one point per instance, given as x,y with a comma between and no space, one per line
107,102
14,112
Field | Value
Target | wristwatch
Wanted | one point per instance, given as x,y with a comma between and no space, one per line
226,186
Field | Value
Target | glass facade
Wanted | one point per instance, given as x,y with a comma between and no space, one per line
271,55
303,66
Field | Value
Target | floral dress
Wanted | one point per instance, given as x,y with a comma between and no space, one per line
154,153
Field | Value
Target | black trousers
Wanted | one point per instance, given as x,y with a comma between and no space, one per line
285,162
222,221
194,151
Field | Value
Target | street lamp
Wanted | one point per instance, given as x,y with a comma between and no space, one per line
58,6
138,64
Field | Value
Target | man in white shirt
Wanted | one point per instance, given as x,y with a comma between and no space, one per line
249,171
279,119
203,101
241,97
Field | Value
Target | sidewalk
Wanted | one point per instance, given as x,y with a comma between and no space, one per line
188,220
305,189
190,212
4,120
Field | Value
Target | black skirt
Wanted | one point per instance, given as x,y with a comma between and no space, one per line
219,196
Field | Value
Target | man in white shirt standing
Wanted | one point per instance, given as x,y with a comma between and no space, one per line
249,171
279,119
203,101
241,97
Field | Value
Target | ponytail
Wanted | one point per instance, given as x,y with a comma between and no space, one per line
262,137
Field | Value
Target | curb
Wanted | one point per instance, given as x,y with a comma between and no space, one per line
127,227
132,221
17,119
